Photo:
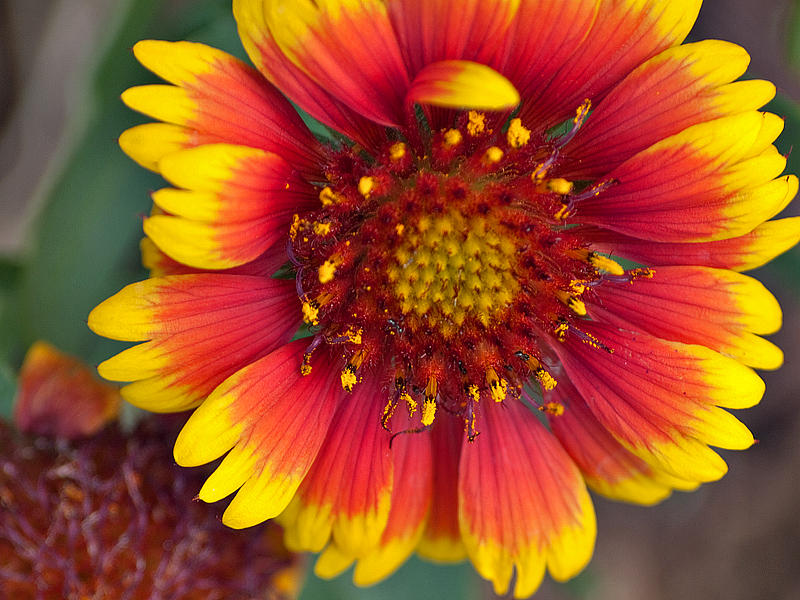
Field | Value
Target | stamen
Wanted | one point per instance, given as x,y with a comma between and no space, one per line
388,411
327,270
327,196
603,263
577,123
366,185
397,151
517,135
559,186
452,138
429,406
348,375
477,123
498,387
322,228
555,409
493,155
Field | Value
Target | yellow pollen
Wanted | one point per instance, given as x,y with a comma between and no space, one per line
388,411
493,155
473,392
397,151
545,379
498,387
322,228
428,412
349,379
560,186
410,403
310,313
399,228
517,135
603,263
297,225
452,138
327,196
561,331
327,270
305,367
366,185
477,123
577,306
555,409
582,112
348,376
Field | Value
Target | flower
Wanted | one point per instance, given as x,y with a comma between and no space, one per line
104,515
473,353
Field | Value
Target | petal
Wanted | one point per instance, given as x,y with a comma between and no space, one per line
274,420
717,308
410,504
251,19
711,181
472,28
218,98
59,396
659,398
236,204
682,86
741,253
347,48
441,540
608,468
522,502
347,492
202,329
585,48
462,84
160,265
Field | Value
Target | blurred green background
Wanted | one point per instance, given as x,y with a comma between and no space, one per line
70,221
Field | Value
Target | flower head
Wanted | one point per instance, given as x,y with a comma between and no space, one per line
106,516
477,349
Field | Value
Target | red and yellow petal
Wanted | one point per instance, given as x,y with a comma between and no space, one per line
660,399
523,504
215,98
741,253
271,420
320,103
716,308
161,265
608,467
411,501
236,202
712,181
201,329
346,494
347,48
462,84
594,45
441,540
679,87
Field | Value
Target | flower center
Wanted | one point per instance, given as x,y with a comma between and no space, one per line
445,265
452,267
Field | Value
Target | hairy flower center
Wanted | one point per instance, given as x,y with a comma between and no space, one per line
445,264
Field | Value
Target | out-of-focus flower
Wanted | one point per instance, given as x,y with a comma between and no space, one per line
451,257
59,396
109,516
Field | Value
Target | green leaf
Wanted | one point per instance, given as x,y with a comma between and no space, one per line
416,579
8,389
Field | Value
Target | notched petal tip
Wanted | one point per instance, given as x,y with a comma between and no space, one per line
463,84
